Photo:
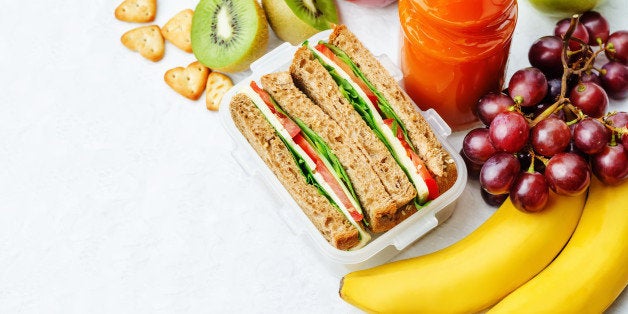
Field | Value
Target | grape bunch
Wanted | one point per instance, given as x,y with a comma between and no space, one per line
550,129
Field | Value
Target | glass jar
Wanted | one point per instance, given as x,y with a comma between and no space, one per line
454,52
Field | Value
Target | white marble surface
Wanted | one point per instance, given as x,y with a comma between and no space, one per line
117,195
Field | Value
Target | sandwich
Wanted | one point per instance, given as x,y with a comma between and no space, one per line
345,80
344,140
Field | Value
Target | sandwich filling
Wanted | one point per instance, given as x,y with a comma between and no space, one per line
378,115
316,161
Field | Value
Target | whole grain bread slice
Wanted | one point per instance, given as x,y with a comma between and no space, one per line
368,186
314,80
437,160
332,224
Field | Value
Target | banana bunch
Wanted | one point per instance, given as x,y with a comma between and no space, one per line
591,271
507,252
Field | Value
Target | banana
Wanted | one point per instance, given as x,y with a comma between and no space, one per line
507,250
591,271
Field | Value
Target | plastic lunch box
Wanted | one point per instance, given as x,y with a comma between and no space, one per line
382,247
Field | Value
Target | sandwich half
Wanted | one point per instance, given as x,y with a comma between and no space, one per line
426,145
305,166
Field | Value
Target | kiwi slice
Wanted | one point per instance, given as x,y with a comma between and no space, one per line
319,14
296,20
227,35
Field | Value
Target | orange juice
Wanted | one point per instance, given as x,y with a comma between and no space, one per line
454,52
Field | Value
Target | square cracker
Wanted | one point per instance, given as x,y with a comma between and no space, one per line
140,11
189,81
147,40
178,30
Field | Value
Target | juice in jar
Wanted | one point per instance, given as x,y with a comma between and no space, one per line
454,52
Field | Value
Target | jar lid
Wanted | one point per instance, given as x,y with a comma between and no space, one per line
465,13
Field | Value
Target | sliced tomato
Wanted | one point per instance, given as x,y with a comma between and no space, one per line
309,150
264,95
332,56
432,187
292,128
328,176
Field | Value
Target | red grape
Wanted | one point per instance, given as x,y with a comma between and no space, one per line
615,80
473,169
545,54
619,120
618,43
491,105
590,136
494,200
498,173
553,90
591,77
509,132
572,148
529,192
579,32
596,26
477,146
590,98
567,174
529,84
550,136
611,164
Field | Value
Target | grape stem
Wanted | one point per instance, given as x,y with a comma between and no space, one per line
589,64
576,111
566,72
572,122
542,159
610,47
532,156
614,129
550,110
562,100
613,140
564,58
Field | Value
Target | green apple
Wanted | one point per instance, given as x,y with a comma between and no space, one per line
564,6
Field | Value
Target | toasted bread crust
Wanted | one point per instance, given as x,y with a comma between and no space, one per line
368,186
332,224
437,160
311,77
